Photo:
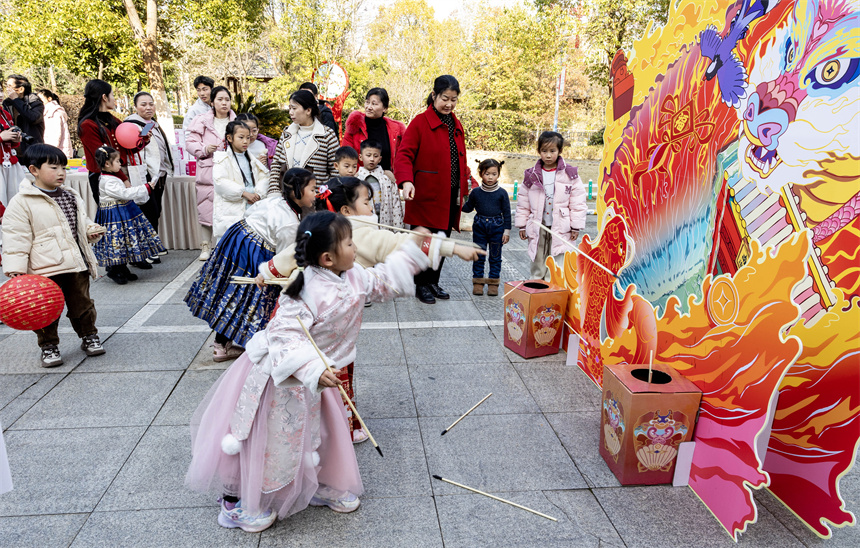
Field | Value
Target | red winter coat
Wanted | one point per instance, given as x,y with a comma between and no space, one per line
356,132
424,159
92,136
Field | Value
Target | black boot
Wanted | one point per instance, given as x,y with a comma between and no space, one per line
116,274
143,265
424,294
127,273
438,292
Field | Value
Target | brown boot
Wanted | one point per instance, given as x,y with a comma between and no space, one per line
478,286
492,287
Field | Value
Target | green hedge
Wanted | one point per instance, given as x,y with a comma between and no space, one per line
495,129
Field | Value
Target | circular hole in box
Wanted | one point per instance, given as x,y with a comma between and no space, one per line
657,377
536,285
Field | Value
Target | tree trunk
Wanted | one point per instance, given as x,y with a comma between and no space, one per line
53,78
146,41
101,68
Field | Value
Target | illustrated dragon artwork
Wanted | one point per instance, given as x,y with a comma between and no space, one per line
745,129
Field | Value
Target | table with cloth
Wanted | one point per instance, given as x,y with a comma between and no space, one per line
178,225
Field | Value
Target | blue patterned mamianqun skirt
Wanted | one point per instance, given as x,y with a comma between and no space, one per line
235,311
129,238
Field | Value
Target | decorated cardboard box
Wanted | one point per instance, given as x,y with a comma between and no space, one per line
643,423
534,312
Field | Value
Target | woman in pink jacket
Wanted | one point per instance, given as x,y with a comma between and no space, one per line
205,136
553,195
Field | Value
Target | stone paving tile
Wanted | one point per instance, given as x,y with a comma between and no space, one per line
441,390
178,296
146,352
55,471
154,474
86,400
402,472
171,266
416,311
490,453
27,398
21,353
383,392
177,528
842,537
115,315
379,312
490,308
43,531
186,396
392,522
471,520
677,517
451,346
105,291
11,386
379,347
173,315
580,435
559,388
581,507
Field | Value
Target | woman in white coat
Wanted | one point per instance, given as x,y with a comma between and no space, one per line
239,179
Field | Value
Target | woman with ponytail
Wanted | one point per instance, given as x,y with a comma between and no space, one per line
97,128
267,227
271,435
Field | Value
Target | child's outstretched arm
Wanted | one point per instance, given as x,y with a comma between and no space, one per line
393,278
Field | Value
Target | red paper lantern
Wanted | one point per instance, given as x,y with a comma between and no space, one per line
127,135
30,302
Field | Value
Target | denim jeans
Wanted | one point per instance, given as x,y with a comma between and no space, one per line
488,231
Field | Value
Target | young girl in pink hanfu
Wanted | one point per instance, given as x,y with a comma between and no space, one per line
553,196
271,435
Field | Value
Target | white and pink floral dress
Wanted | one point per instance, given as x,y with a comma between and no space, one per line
294,436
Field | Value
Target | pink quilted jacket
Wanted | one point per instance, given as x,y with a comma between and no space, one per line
568,211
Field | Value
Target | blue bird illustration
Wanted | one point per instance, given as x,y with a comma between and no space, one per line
725,64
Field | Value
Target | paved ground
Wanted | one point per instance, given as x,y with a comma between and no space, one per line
99,447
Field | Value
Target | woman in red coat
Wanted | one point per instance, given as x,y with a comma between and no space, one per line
430,167
374,125
97,127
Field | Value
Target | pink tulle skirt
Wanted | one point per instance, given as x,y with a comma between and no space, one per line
243,475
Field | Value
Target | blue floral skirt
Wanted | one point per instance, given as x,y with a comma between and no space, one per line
129,237
235,311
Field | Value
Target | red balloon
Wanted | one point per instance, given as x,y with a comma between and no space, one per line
127,135
30,302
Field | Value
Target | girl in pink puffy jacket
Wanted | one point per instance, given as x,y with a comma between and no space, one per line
552,195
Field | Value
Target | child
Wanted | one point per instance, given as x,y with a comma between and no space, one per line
553,194
271,434
492,225
386,195
129,237
239,179
346,161
46,232
352,198
261,147
234,311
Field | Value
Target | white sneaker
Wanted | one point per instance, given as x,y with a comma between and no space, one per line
237,517
343,502
205,253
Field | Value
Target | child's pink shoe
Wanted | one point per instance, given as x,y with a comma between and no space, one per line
237,517
343,502
223,353
359,436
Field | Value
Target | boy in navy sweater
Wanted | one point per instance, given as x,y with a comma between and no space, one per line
492,226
